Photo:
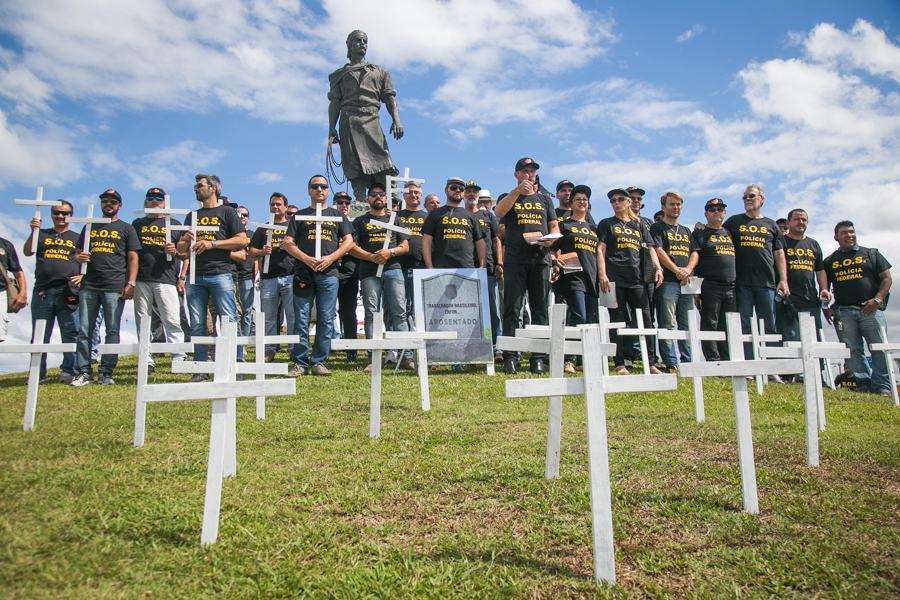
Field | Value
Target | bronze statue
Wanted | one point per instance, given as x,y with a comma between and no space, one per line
356,92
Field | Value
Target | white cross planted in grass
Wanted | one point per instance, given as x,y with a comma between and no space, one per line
37,203
222,391
594,386
888,349
271,227
36,350
758,339
390,189
641,333
392,340
88,221
143,347
318,218
194,228
166,211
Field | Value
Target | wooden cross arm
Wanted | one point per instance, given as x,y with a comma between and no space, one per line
38,202
780,352
162,211
543,332
192,228
318,218
671,334
248,340
519,344
886,347
420,335
391,227
382,344
123,349
742,368
763,337
574,386
185,366
215,390
272,226
635,331
36,348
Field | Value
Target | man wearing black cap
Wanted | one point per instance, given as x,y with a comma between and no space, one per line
525,210
451,236
716,266
112,266
160,279
563,194
493,256
348,282
413,218
806,278
636,195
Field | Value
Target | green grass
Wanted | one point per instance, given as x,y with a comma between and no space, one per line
450,503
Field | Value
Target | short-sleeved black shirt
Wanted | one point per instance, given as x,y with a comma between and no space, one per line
109,247
454,231
280,262
528,214
371,239
804,259
55,258
10,261
153,266
243,270
853,274
677,242
214,262
412,220
624,240
755,243
716,255
491,228
581,238
304,234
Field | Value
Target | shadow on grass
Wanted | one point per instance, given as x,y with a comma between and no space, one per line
528,563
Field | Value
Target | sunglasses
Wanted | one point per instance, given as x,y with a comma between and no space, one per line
108,201
456,188
60,213
197,186
342,202
244,215
749,196
715,209
377,195
154,199
318,186
619,199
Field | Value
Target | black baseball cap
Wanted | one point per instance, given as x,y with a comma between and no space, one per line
564,183
111,193
526,162
581,189
155,193
635,188
470,184
616,192
342,197
714,202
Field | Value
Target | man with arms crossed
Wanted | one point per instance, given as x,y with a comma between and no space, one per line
716,265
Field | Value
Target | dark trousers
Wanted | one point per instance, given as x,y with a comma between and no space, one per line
582,308
629,300
716,299
518,280
348,292
788,323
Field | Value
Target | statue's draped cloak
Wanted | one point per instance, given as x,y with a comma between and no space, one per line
359,91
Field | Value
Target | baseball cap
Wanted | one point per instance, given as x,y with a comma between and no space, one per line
616,192
582,189
342,197
526,162
564,183
155,193
458,180
471,184
635,188
714,202
111,193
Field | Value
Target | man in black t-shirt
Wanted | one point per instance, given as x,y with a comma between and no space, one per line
246,269
55,270
215,252
806,278
525,213
10,261
759,257
563,193
493,257
451,235
636,195
160,276
316,279
112,266
388,292
413,218
716,265
348,282
677,254
860,279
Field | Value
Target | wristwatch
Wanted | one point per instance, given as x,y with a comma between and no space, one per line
393,252
214,243
182,277
878,300
131,283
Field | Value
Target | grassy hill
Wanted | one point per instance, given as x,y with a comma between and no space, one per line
450,503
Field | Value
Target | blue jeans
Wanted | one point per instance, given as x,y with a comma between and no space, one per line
90,304
582,308
324,290
245,291
672,308
789,328
410,299
220,288
273,291
763,300
50,305
494,302
856,327
387,293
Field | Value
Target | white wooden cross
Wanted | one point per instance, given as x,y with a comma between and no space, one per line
88,221
738,369
393,189
270,226
594,386
388,227
166,211
640,332
143,347
37,203
223,390
758,338
318,218
36,349
194,228
827,372
888,349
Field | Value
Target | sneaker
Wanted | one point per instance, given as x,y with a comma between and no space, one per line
296,370
498,356
654,370
368,368
198,377
104,379
408,364
569,367
320,369
66,378
351,356
621,370
776,378
270,357
46,380
391,356
537,366
509,366
151,369
81,379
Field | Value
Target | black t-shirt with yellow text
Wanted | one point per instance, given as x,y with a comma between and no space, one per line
280,262
716,255
804,259
677,242
109,246
55,258
854,274
491,228
217,261
370,238
755,243
412,220
454,231
624,240
153,266
332,232
528,214
581,238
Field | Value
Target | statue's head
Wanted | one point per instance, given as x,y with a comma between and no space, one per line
356,39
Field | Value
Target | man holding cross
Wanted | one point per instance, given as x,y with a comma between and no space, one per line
316,279
112,266
11,268
386,293
213,263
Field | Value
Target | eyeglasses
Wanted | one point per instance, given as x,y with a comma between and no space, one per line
154,199
60,213
108,201
619,199
197,186
318,186
456,188
715,209
377,195
342,202
749,196
244,215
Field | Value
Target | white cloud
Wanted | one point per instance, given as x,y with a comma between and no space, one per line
863,47
32,156
690,34
267,177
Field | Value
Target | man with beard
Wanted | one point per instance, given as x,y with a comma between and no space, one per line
413,218
493,257
451,236
715,264
805,275
348,282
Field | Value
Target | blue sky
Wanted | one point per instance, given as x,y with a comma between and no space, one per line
700,97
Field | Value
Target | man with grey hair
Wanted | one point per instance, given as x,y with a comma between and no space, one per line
412,217
215,253
432,202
